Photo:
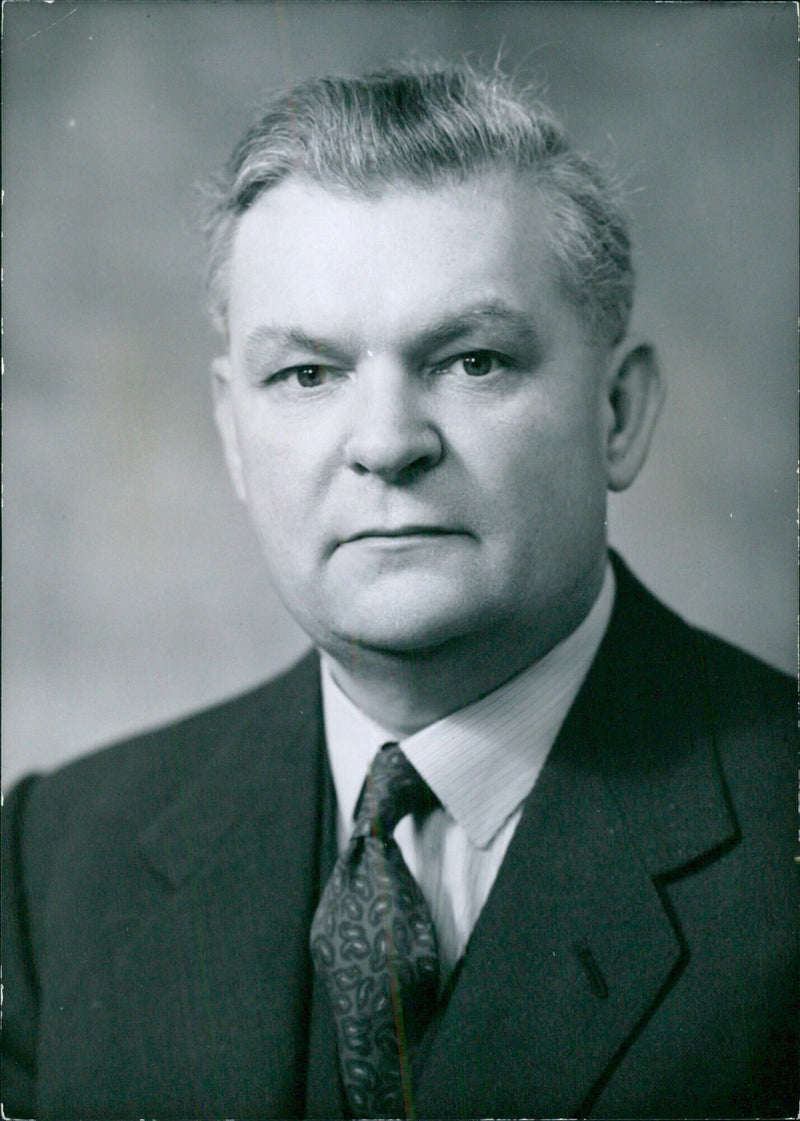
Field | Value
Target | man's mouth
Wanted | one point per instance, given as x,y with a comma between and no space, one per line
413,535
401,531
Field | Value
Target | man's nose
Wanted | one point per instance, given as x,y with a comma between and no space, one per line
392,433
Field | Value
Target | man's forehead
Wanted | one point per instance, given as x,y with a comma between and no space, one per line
477,250
483,196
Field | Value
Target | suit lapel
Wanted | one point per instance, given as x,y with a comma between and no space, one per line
570,953
575,947
261,775
227,950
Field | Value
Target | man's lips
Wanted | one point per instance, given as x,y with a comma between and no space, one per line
398,532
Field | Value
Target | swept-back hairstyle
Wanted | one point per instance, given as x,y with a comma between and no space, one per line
421,126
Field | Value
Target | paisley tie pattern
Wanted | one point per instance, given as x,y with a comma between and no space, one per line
373,943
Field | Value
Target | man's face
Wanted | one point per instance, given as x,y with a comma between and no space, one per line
413,415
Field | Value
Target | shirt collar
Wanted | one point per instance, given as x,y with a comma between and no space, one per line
483,760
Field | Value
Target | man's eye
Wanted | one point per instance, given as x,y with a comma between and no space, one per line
477,364
306,377
309,377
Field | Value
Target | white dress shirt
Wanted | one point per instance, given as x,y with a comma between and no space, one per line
481,762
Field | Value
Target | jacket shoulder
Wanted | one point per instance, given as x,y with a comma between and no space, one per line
683,653
696,690
133,779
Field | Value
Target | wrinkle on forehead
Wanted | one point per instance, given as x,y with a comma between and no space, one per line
411,270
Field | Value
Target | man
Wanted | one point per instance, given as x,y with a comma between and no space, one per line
567,891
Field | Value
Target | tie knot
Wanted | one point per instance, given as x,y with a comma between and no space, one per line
392,789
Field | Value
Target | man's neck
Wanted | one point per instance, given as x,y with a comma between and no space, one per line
406,691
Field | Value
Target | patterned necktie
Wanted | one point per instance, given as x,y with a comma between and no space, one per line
373,943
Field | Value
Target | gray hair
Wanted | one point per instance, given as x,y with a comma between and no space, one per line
423,126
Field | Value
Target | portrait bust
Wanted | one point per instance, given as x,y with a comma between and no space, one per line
513,838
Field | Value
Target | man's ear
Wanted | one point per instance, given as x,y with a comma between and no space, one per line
226,422
635,394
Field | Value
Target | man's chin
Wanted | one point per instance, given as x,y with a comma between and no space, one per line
400,631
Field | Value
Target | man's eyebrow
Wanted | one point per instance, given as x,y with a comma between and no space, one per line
265,339
479,318
450,327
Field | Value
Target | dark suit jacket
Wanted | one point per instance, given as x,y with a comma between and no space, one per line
636,956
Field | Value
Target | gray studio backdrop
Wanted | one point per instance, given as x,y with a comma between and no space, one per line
132,587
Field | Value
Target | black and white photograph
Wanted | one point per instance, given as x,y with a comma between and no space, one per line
399,648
